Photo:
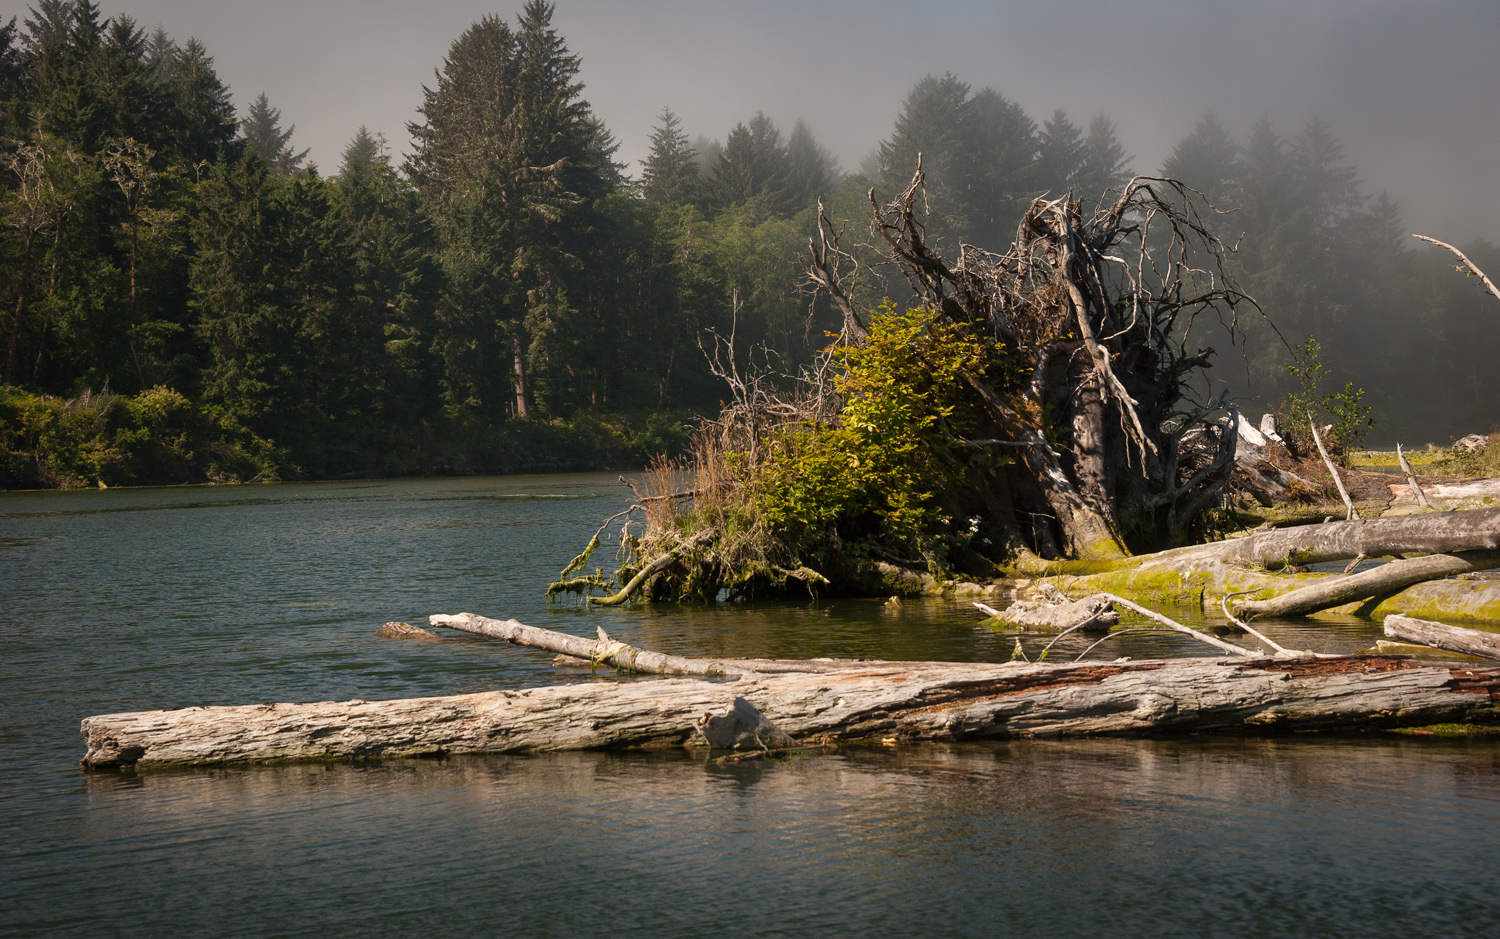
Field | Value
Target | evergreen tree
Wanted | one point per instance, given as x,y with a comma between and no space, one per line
205,120
509,159
811,170
930,122
706,156
754,165
1002,160
1060,154
1105,165
364,155
262,131
979,156
669,174
1207,160
161,56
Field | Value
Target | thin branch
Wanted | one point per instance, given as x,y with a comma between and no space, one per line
1489,285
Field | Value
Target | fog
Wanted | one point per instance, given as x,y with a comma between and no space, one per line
1410,88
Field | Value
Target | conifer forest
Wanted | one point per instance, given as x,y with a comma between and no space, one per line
185,297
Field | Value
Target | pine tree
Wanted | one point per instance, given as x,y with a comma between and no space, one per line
1002,143
930,123
261,129
707,153
669,174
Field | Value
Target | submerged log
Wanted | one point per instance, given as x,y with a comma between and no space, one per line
912,701
1053,611
1442,636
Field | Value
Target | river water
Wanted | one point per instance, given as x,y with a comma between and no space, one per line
135,599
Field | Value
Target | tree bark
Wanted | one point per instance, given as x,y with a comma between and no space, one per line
922,702
1442,636
1388,578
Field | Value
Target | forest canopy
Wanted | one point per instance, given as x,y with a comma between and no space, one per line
186,297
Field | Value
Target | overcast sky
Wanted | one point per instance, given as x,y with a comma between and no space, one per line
1412,89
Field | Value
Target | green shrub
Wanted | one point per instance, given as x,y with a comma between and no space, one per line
99,439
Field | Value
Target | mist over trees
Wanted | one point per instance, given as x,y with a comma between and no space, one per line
185,297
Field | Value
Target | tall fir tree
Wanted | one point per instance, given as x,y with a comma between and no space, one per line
509,159
1059,154
1207,160
812,171
669,174
754,166
1105,164
261,129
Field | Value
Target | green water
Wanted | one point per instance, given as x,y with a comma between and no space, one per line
123,600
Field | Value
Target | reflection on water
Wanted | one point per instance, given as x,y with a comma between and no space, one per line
1232,837
105,606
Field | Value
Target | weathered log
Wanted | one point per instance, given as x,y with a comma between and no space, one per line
1442,636
1474,490
1432,533
608,652
950,702
1330,592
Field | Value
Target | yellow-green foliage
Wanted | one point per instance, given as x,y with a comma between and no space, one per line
875,471
155,436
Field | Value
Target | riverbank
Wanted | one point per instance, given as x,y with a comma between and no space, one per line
159,437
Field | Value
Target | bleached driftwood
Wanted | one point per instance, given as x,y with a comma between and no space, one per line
924,702
1442,636
1411,480
1332,470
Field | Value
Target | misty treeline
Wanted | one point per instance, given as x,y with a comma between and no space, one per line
185,297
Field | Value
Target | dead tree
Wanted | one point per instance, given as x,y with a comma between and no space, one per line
1094,390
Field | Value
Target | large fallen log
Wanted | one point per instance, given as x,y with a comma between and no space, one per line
823,698
1330,592
1431,533
921,702
1442,636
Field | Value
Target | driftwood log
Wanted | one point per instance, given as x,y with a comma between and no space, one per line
925,702
824,702
1431,533
1330,592
1442,636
